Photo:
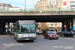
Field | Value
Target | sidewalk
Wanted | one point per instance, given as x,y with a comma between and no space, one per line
6,36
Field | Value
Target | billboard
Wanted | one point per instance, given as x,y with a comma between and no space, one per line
64,3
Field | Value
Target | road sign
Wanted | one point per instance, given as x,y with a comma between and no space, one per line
64,3
6,26
64,25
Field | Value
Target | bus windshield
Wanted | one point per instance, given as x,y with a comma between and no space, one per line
27,28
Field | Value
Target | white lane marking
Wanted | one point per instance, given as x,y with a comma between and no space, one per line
7,45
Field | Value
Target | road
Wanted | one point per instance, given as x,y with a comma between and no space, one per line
63,43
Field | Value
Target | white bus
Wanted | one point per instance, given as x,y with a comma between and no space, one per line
25,30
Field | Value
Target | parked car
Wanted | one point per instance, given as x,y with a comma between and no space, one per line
68,33
51,35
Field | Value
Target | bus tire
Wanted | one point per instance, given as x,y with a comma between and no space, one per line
17,40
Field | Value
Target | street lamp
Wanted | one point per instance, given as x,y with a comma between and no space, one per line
32,4
25,5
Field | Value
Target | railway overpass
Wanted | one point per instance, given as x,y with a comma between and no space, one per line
7,13
45,16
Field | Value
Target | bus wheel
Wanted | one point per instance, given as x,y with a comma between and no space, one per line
14,37
17,40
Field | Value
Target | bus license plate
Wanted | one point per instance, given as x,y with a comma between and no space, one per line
27,39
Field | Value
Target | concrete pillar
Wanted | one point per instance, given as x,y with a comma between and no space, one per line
68,24
64,23
73,23
62,26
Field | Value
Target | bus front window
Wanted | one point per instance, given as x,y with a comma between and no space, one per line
28,28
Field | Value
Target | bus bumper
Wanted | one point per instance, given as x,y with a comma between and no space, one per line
27,38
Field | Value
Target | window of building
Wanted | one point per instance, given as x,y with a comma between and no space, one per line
41,1
55,25
59,25
51,6
47,6
48,25
1,4
51,25
38,23
55,6
41,6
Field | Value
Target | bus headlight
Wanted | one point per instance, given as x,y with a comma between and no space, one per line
19,36
34,35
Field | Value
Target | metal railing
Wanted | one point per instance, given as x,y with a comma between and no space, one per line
34,11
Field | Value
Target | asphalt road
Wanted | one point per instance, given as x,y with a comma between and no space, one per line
63,43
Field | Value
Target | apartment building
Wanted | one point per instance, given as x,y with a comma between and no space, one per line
53,4
72,3
4,6
50,25
65,4
15,9
41,5
48,4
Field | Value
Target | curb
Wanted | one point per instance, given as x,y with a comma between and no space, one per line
6,36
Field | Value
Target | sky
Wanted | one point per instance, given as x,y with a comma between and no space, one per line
20,3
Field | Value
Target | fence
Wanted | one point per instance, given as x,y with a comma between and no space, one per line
34,11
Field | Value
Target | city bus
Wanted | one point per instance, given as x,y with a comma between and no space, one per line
25,30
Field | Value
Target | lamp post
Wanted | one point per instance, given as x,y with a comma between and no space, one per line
32,4
25,5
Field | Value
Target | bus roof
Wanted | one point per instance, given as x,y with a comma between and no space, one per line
26,21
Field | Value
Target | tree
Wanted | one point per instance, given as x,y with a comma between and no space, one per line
47,27
55,28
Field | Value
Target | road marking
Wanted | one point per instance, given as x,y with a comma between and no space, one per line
7,45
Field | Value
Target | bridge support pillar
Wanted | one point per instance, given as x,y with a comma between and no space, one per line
64,23
73,23
68,24
62,26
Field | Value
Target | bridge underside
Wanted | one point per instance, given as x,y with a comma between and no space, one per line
45,18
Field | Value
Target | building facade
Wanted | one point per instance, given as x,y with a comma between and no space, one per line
50,25
41,5
15,9
5,6
55,4
72,3
65,4
48,4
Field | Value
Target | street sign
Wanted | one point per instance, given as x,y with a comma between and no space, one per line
6,26
65,3
64,25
